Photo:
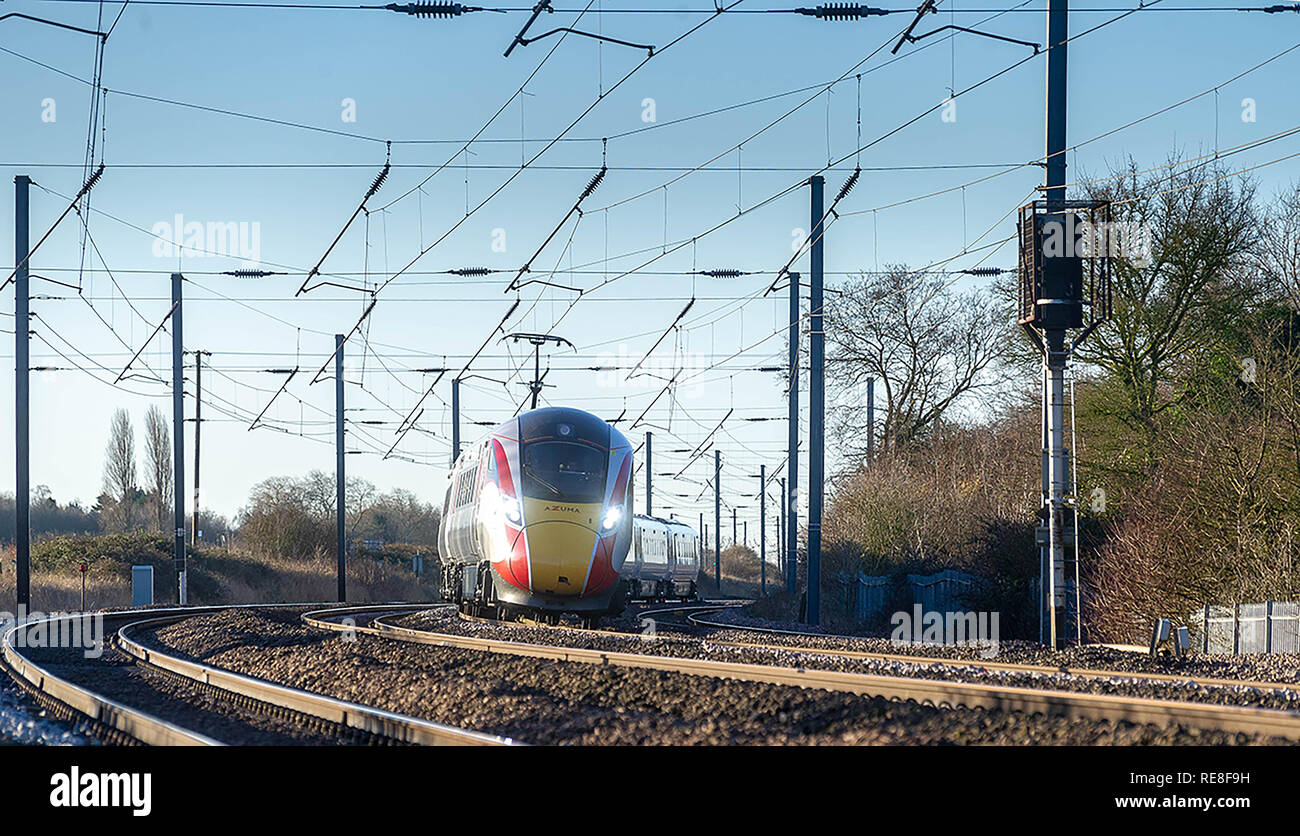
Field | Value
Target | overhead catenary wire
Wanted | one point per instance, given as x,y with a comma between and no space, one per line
85,187
145,345
576,209
831,11
424,250
657,332
1076,146
375,185
893,131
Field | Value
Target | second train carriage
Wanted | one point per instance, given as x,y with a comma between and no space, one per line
664,561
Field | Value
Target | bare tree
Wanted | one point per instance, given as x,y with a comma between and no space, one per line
120,485
1279,245
281,520
926,345
319,492
158,466
359,495
295,517
401,517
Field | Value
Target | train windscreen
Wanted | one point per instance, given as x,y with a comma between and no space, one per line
564,471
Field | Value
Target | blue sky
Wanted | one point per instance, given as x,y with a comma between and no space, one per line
442,80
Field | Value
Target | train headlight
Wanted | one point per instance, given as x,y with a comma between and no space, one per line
611,520
510,507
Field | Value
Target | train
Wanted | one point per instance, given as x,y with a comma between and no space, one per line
538,521
664,561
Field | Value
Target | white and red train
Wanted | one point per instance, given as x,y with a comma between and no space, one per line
538,520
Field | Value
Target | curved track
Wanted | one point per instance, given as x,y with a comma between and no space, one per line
117,721
1071,704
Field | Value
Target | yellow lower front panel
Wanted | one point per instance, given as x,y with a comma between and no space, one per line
561,537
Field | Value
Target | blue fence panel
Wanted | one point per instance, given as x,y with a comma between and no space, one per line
872,591
941,592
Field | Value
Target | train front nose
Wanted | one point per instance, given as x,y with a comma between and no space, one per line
564,547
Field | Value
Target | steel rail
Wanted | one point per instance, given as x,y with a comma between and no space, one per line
386,724
939,693
694,611
1009,667
102,711
121,721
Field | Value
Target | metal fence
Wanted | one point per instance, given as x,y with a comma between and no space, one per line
872,595
941,592
1270,627
866,596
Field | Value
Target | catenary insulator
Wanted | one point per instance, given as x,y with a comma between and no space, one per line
379,181
431,9
594,183
842,11
849,184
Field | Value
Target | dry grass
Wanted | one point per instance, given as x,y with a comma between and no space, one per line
223,578
740,574
315,579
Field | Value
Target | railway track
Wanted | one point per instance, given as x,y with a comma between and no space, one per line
1233,719
90,691
77,691
694,616
697,618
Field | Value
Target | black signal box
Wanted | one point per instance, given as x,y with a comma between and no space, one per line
1060,293
1059,274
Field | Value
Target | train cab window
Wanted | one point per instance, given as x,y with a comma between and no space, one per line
564,471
